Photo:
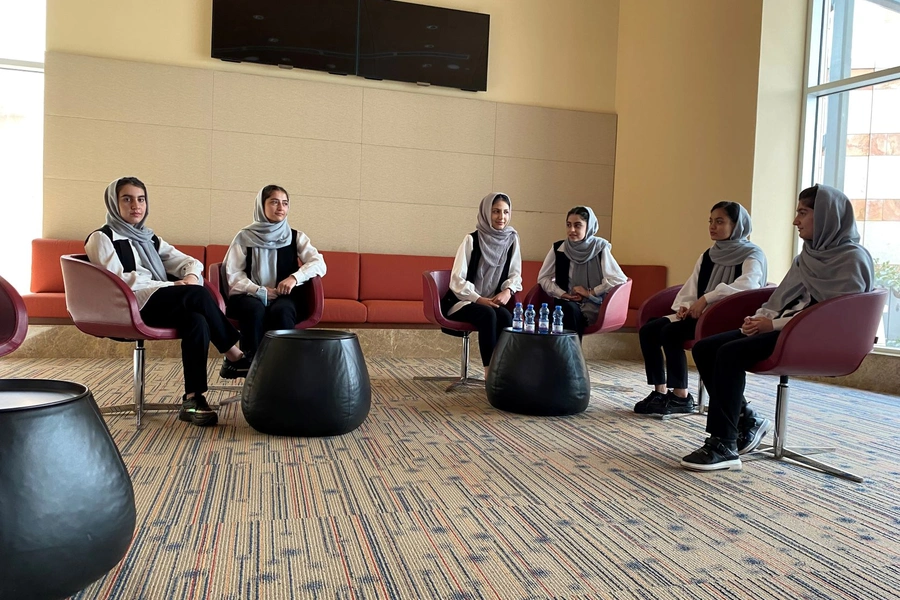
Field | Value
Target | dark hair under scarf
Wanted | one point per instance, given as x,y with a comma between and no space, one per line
140,236
833,263
728,254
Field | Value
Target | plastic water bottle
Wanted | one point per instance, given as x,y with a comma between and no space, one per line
529,319
544,319
558,320
518,317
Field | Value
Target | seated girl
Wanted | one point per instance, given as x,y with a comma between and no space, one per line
265,266
831,264
580,270
168,286
733,264
486,273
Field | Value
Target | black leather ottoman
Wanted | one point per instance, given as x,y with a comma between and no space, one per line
66,502
307,383
538,374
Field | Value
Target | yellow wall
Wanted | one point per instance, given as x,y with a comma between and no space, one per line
778,130
552,53
686,95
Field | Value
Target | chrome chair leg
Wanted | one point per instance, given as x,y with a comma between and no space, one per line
463,380
798,456
138,406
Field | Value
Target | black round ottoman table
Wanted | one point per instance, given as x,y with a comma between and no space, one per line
538,374
66,502
307,383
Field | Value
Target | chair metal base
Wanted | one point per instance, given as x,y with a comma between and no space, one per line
796,456
463,380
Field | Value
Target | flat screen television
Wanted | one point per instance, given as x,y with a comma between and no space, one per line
377,39
307,34
402,41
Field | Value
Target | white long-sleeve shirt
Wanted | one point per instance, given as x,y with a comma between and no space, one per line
101,252
751,278
612,275
236,259
465,290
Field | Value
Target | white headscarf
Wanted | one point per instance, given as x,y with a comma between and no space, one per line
832,264
266,237
494,244
140,236
728,254
587,270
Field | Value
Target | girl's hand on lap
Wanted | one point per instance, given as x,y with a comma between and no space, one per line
697,307
286,285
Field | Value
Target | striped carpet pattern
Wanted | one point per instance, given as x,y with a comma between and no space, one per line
439,495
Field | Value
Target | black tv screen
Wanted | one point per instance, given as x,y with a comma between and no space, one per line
308,34
378,39
402,41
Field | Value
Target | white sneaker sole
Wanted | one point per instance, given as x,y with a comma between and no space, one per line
729,465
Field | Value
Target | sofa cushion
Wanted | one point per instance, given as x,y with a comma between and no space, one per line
396,276
395,311
647,280
341,310
46,305
46,274
342,275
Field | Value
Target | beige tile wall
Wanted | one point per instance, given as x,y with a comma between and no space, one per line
368,170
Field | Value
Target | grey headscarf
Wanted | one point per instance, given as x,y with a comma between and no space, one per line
728,254
832,264
587,270
140,236
266,237
494,244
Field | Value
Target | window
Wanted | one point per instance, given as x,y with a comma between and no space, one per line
852,127
22,42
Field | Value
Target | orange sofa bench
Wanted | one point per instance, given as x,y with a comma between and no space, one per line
362,290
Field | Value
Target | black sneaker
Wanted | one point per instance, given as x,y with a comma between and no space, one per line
713,456
233,370
752,431
196,411
674,405
654,399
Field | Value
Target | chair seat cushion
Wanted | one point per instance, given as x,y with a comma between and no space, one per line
395,311
338,310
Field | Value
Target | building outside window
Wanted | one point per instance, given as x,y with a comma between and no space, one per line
852,127
22,42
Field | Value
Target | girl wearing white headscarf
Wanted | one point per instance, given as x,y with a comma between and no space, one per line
168,286
580,270
486,272
831,264
733,264
265,267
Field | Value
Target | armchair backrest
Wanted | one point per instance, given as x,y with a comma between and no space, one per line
828,339
101,304
658,305
13,318
728,313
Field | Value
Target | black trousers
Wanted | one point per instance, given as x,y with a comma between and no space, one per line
723,361
255,319
191,310
489,321
661,335
573,318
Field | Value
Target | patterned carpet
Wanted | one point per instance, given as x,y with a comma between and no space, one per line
441,496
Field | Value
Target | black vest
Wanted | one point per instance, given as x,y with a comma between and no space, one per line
706,267
562,266
124,251
472,271
286,261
